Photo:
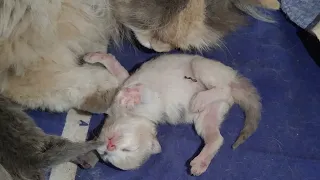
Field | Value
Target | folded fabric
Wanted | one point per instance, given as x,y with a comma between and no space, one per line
305,13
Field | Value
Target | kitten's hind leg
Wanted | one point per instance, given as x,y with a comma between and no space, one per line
203,98
207,126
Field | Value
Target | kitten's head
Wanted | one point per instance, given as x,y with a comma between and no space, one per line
130,141
163,25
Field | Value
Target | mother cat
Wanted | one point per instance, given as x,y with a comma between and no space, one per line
41,42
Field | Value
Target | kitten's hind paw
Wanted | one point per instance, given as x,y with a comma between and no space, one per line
198,166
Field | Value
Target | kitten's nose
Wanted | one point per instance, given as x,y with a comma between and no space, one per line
111,146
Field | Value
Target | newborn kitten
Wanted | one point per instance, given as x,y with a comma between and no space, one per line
176,89
26,151
162,25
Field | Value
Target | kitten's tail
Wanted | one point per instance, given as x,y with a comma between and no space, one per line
246,95
251,7
63,150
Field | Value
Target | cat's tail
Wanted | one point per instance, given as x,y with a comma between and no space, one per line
254,8
61,150
246,95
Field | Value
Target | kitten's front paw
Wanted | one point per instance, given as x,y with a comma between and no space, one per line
109,62
97,57
198,166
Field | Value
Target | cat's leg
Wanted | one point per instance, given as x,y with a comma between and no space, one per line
207,125
58,87
41,175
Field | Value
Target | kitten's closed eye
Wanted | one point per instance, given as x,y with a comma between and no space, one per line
129,149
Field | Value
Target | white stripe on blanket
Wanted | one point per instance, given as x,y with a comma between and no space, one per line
73,131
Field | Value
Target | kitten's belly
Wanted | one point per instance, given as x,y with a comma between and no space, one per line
175,91
176,100
174,84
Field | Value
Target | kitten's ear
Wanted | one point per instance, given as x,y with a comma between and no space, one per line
155,147
131,96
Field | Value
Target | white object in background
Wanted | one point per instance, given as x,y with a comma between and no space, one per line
74,132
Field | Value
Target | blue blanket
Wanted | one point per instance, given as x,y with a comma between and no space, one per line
286,145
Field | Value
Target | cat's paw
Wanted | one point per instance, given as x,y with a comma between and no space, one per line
160,46
198,166
86,161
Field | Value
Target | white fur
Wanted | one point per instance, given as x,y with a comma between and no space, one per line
167,97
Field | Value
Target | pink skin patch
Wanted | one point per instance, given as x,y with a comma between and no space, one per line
130,96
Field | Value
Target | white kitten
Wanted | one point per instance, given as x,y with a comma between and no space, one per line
176,89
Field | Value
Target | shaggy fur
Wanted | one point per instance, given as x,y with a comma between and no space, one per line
176,89
40,45
166,24
26,151
41,42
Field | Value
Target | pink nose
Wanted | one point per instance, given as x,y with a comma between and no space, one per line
110,145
